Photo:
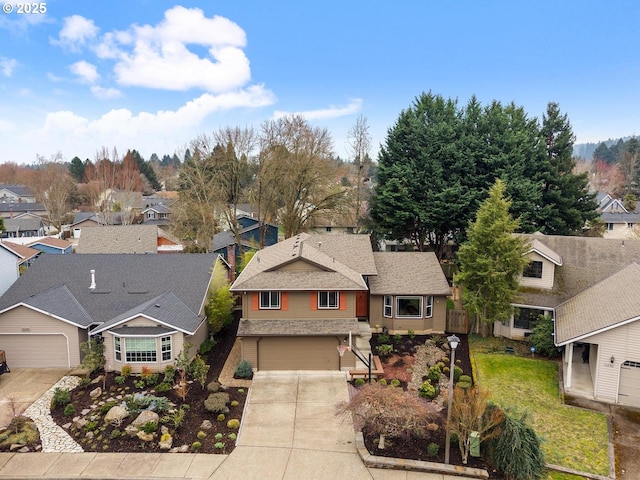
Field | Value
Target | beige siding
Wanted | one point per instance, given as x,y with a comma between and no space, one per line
25,321
197,338
548,269
250,350
622,343
298,353
435,324
300,266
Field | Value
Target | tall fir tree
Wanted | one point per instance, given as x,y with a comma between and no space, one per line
491,260
566,206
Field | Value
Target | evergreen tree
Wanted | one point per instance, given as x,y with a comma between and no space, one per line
602,153
491,260
566,204
76,168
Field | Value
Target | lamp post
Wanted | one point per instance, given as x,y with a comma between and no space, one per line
453,343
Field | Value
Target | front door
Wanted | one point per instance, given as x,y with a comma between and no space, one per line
362,304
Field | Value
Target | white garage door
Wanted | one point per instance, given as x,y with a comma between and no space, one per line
298,353
36,351
629,388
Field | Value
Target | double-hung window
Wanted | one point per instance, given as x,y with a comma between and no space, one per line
117,348
428,306
388,302
166,348
328,299
270,300
533,270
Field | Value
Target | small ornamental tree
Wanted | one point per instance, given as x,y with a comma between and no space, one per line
542,337
469,414
492,260
93,351
389,411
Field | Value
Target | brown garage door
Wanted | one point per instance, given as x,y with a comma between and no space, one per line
36,351
298,353
629,387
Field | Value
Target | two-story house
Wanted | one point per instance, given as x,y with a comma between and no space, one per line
590,287
619,222
309,294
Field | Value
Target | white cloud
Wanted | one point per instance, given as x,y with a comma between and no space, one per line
76,32
105,93
7,65
86,72
159,57
325,113
53,78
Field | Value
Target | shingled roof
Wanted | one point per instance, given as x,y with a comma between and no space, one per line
325,272
610,303
408,273
119,239
123,282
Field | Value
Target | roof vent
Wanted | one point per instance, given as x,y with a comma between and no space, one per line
93,280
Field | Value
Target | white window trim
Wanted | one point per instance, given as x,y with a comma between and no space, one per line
428,306
389,305
117,348
169,352
126,352
420,307
328,306
272,305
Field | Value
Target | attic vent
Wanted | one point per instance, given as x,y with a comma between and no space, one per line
93,280
157,305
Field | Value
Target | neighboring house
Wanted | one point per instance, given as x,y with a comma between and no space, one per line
23,226
26,255
82,220
52,245
145,307
225,243
126,239
16,194
618,221
9,271
157,214
303,297
589,285
10,210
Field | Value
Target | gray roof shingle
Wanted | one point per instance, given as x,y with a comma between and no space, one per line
119,239
313,327
408,273
123,281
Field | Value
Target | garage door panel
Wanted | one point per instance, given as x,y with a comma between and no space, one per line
36,351
629,386
298,353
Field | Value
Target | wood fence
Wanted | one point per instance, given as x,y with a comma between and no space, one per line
457,321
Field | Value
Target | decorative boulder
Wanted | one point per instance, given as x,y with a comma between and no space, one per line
95,393
145,437
145,416
131,430
116,414
166,441
206,425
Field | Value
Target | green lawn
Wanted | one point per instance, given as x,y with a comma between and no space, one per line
573,437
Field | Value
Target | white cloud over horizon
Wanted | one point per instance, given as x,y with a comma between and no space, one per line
77,31
7,66
325,113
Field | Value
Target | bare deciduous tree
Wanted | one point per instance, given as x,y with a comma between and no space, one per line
53,185
359,142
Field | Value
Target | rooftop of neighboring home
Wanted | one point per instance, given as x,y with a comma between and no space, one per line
119,239
122,282
582,262
53,242
23,252
22,192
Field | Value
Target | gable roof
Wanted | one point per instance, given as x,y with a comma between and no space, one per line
52,242
585,262
541,249
166,308
351,249
22,207
119,239
408,273
262,272
22,224
123,281
610,303
25,253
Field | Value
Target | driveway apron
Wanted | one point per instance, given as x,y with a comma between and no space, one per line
290,430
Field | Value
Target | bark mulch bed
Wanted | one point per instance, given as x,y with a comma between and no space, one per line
189,436
400,366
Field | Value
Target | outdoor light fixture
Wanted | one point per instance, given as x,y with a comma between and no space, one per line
613,359
453,343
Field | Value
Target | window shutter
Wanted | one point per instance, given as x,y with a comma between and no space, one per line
284,301
314,301
343,300
255,301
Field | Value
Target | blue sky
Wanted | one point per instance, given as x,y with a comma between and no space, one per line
153,74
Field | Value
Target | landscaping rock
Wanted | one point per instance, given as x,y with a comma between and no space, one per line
90,435
131,430
206,425
85,411
24,450
80,422
98,379
116,414
95,393
145,437
145,417
15,446
166,444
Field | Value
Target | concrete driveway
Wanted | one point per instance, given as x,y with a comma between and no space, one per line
22,387
289,430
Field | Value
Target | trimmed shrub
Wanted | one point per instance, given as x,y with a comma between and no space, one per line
397,338
382,381
243,370
120,379
394,383
457,372
234,403
218,445
152,379
206,346
383,338
60,397
169,373
163,387
232,436
216,402
434,373
465,379
201,435
411,333
234,423
384,350
218,436
149,427
358,382
196,446
427,391
126,370
221,417
69,410
433,449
